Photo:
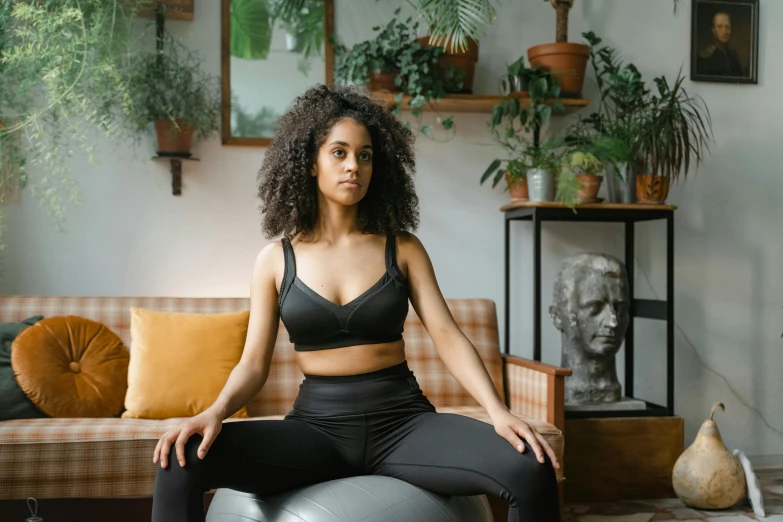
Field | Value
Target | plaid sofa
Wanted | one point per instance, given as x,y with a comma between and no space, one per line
62,458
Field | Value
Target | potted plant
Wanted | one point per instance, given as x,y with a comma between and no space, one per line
375,62
588,172
513,174
395,61
541,164
516,81
562,58
513,123
675,131
170,89
613,128
462,61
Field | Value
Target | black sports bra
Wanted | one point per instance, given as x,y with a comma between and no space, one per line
315,323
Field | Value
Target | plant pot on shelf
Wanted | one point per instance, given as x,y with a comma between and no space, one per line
383,81
174,139
463,61
540,185
652,189
516,86
589,185
566,61
517,188
620,183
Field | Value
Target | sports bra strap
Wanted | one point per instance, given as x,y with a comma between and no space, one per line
289,273
391,259
391,253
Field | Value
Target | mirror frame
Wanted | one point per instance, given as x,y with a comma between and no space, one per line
225,71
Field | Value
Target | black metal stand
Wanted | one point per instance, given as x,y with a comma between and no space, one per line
629,214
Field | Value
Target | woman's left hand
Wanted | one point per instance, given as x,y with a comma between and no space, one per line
512,428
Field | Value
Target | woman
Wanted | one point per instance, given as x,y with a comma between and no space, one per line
337,184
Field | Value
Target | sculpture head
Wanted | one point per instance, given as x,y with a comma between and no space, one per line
590,303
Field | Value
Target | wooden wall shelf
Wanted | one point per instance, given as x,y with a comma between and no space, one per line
475,103
174,10
176,169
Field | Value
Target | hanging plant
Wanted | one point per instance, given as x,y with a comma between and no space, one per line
169,87
61,64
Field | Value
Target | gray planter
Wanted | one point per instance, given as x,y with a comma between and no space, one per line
621,183
540,185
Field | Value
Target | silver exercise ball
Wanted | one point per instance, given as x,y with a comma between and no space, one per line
365,498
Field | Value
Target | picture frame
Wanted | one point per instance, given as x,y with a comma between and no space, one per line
725,41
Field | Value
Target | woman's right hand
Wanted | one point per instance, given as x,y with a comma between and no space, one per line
207,424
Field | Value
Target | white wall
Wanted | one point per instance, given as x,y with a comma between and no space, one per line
132,237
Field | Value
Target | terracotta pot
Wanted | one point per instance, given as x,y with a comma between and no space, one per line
173,140
651,189
383,81
567,61
517,188
463,61
589,185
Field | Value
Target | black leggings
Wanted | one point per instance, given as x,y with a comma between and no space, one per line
378,423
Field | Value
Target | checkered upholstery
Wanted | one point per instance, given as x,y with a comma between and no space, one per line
111,457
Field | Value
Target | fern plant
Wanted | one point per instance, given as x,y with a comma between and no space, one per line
61,64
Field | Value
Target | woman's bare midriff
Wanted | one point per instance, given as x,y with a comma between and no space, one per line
351,360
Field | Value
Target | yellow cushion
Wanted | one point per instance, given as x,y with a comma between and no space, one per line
71,366
179,362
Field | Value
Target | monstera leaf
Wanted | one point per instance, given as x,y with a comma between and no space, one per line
251,33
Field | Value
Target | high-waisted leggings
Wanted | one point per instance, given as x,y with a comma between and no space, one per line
378,423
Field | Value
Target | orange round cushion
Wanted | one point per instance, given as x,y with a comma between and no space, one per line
70,366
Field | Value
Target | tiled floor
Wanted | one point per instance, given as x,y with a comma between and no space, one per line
674,510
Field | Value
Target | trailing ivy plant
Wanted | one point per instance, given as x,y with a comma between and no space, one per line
61,64
418,75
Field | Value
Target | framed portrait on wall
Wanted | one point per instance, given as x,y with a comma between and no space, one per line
725,41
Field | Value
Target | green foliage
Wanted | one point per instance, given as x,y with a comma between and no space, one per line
510,120
303,19
666,129
253,22
518,128
517,68
381,54
251,29
395,50
61,64
580,162
677,130
171,85
262,123
452,22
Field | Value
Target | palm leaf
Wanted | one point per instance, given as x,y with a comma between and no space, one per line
251,31
452,22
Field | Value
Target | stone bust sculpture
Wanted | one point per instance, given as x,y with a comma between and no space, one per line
590,308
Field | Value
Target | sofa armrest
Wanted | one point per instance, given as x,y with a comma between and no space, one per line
535,389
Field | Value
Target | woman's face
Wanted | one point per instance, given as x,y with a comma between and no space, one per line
344,163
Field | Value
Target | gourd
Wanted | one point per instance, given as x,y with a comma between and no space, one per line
707,475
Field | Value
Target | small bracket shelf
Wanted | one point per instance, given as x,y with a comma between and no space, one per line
176,169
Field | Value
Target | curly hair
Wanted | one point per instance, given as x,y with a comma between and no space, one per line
289,192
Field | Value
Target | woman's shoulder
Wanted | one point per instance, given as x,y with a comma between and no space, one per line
408,241
270,256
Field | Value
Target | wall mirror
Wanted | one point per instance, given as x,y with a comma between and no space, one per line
271,51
